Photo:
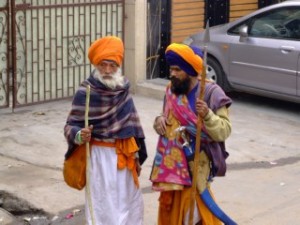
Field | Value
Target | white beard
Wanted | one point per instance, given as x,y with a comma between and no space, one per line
116,79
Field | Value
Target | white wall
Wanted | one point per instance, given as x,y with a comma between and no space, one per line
135,41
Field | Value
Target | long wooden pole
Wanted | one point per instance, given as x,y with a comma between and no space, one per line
87,146
198,144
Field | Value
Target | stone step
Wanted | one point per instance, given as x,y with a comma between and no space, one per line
154,88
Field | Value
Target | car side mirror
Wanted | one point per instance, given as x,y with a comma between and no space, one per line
243,33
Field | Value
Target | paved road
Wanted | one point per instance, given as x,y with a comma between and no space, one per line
261,185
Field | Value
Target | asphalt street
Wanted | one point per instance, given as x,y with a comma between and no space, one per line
261,186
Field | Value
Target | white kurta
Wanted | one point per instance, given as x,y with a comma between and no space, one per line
115,198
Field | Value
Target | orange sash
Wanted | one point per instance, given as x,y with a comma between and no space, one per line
125,149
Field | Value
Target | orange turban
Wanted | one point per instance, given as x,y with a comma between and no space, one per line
106,48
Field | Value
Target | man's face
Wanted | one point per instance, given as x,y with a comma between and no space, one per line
107,68
109,74
180,81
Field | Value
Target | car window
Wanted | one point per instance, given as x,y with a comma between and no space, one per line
283,23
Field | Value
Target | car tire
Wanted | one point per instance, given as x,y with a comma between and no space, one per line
215,72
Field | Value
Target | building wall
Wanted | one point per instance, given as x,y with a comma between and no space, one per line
135,41
239,8
187,17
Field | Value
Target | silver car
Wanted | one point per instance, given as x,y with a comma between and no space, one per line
258,53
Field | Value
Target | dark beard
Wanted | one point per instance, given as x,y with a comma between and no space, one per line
180,87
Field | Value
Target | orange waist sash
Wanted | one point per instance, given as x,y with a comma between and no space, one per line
125,149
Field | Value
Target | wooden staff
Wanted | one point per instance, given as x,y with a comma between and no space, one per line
87,146
198,133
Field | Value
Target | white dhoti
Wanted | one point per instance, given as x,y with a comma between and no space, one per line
115,198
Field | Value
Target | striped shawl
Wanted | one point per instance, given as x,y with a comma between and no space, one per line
112,114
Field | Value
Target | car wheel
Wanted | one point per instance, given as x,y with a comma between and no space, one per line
215,72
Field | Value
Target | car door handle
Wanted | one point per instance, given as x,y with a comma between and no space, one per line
287,49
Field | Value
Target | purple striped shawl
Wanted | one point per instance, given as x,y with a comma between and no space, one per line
112,113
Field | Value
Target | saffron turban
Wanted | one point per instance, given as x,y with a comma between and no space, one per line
189,59
106,48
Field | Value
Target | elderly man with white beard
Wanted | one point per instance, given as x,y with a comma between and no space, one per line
115,135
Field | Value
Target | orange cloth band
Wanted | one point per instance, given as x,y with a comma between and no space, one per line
125,149
106,48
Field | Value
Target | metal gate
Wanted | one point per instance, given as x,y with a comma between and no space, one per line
43,46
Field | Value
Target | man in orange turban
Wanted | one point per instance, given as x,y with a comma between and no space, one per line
115,135
176,127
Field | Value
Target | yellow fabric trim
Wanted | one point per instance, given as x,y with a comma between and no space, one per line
167,186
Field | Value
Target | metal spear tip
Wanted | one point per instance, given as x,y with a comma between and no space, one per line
206,33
